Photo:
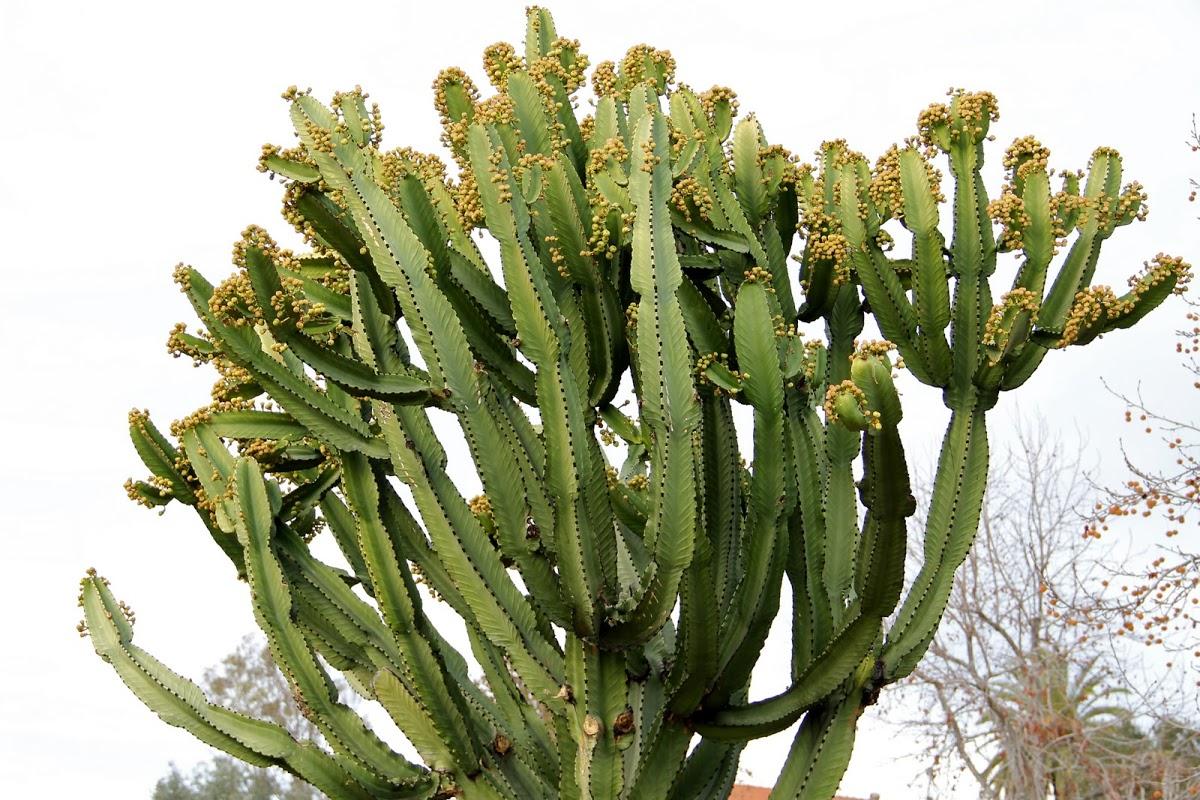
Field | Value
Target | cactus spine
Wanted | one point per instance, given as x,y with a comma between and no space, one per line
617,612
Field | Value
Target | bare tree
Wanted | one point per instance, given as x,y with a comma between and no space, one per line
1020,692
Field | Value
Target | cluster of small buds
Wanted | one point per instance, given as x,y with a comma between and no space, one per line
529,161
293,93
706,360
996,329
269,151
1024,156
180,343
355,98
1066,210
455,97
605,434
449,82
975,107
182,275
499,61
631,316
839,153
587,127
649,159
846,398
604,80
1162,267
757,274
134,493
776,160
1131,205
812,358
232,381
292,195
613,149
467,201
557,259
688,195
780,326
868,348
1008,211
1090,308
289,303
638,483
405,161
562,61
600,241
718,96
205,413
480,506
611,476
931,123
495,110
499,175
319,138
885,189
1093,306
645,64
261,450
825,243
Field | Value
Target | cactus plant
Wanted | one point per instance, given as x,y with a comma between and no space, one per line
618,574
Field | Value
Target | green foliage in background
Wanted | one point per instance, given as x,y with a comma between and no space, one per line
618,573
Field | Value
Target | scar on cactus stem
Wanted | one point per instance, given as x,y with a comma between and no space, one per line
615,610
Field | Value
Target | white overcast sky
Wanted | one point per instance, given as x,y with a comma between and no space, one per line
130,133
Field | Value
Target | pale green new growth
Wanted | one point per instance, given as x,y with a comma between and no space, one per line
616,612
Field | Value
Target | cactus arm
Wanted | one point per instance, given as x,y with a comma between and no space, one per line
527,730
824,674
1037,238
297,396
1104,179
602,706
667,748
756,595
931,289
159,456
820,752
710,581
885,491
530,114
709,772
180,702
429,683
842,447
811,467
471,563
953,518
536,314
367,756
971,262
328,224
748,178
405,705
670,412
889,302
403,263
342,370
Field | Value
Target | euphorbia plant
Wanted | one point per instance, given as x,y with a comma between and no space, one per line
619,572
